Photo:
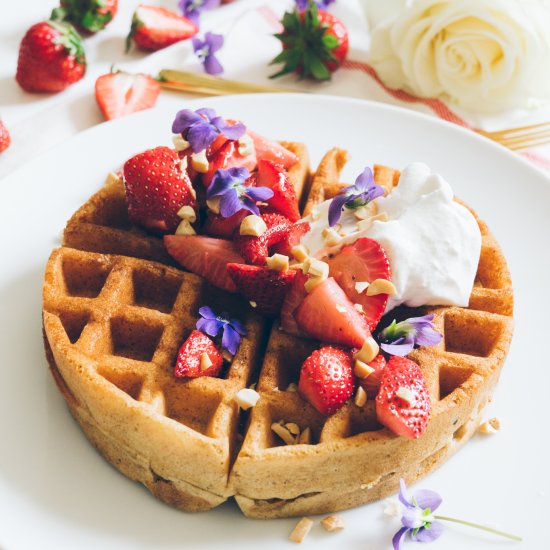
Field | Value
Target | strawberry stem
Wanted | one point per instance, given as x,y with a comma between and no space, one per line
482,527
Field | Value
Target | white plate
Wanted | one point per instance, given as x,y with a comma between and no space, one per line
55,489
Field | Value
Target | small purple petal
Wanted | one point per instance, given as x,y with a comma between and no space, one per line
250,205
230,339
209,326
207,313
364,181
201,135
214,41
401,350
184,120
412,518
230,131
212,65
335,209
429,534
210,114
403,494
259,193
427,336
398,537
239,327
427,499
239,173
230,203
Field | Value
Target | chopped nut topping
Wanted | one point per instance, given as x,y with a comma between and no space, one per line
360,397
199,161
333,523
381,286
247,398
369,350
317,268
184,164
366,223
331,236
315,214
358,307
278,262
367,211
312,282
305,436
185,228
214,204
361,286
292,387
490,427
300,252
283,433
296,266
406,394
293,428
180,144
187,213
253,303
206,362
227,356
362,370
340,308
300,532
246,145
253,225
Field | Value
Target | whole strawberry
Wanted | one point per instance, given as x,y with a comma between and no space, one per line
156,189
315,43
5,139
51,57
88,15
326,379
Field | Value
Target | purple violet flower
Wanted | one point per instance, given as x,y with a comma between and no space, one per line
205,50
212,324
400,338
234,195
321,4
201,127
360,193
418,519
193,8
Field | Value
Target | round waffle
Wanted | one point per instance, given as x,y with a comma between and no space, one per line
116,309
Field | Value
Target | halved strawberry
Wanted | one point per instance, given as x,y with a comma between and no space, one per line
272,151
371,384
327,314
266,287
119,94
363,261
190,362
404,416
204,256
256,249
227,156
295,233
155,27
293,299
156,189
326,379
284,198
5,138
218,226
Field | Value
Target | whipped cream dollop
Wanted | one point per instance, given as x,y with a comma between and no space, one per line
432,242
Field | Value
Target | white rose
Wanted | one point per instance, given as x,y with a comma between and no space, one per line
484,55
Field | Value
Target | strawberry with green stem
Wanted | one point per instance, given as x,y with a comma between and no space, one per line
315,43
88,15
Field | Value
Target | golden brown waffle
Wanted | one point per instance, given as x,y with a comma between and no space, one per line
113,325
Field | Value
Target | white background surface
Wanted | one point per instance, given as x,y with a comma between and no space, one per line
57,492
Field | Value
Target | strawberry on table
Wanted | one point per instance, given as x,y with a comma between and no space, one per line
256,249
403,402
5,138
265,287
315,43
362,262
205,256
284,196
326,379
198,356
327,314
51,57
156,189
119,94
88,15
155,27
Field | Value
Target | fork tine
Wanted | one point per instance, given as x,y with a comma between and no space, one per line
510,132
525,137
527,144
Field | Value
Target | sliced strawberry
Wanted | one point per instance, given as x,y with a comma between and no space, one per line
371,384
266,287
319,316
155,27
190,362
204,256
272,151
284,198
227,156
156,189
293,299
326,379
5,138
405,417
363,261
295,233
218,226
256,249
119,94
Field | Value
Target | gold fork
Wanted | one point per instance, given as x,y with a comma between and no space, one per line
522,137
